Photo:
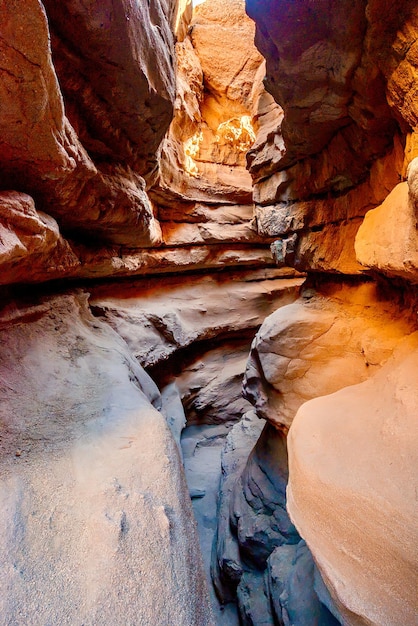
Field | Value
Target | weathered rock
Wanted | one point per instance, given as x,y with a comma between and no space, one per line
31,247
311,72
227,568
117,75
159,318
353,460
118,261
253,601
258,506
94,504
325,229
211,385
290,576
319,345
212,128
387,241
202,446
41,153
392,44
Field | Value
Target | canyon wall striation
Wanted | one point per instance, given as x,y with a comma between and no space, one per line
333,163
123,141
199,233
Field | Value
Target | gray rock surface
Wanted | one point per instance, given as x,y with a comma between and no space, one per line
97,525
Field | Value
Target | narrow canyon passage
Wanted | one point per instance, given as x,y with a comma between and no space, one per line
208,313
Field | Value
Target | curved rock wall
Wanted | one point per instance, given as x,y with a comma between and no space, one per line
88,92
328,165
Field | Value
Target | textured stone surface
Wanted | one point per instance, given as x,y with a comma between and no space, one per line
352,491
159,318
334,78
202,447
291,580
117,74
41,152
94,504
212,128
310,70
31,246
387,241
227,568
319,345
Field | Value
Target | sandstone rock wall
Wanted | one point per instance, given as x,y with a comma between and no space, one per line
97,524
333,164
85,111
125,131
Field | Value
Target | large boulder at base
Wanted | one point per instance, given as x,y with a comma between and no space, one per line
96,522
352,491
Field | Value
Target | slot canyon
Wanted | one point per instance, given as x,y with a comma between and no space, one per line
208,313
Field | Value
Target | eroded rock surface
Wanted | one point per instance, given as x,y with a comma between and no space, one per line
92,186
318,345
93,501
367,470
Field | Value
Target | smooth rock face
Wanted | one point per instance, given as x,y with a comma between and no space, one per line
95,509
353,460
319,345
387,241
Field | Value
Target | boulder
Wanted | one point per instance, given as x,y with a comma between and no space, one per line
31,247
318,345
352,491
95,510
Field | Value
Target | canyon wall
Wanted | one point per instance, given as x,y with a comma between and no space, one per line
334,173
123,140
165,188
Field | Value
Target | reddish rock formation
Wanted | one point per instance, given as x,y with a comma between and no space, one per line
328,170
357,449
212,130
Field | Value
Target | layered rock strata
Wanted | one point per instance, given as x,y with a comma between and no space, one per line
102,106
82,123
326,164
88,93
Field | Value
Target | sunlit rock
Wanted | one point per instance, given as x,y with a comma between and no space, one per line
352,491
212,126
387,241
319,345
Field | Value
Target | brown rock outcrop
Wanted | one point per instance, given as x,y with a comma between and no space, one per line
328,170
335,79
41,154
319,345
31,247
117,75
387,241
